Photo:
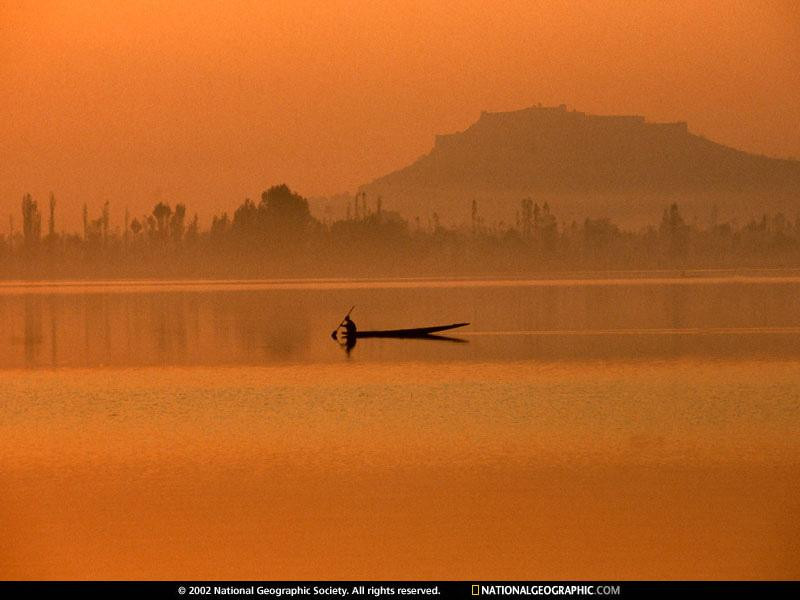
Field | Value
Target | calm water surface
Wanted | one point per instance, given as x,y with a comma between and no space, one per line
576,429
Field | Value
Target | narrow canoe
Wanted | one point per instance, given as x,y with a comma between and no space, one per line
408,333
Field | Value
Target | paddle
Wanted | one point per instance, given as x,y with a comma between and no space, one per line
333,333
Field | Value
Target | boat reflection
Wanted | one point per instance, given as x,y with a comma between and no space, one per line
348,342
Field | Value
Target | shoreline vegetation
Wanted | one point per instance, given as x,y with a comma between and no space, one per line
279,239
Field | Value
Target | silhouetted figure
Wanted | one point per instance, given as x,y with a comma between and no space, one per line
349,328
349,334
349,343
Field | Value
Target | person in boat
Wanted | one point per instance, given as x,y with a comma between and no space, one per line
349,328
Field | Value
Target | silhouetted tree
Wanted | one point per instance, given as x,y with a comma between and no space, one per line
51,226
526,218
548,228
247,220
151,226
285,209
219,226
675,230
31,221
176,223
104,219
599,234
278,234
193,231
161,214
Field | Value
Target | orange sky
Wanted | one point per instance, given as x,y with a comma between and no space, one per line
209,102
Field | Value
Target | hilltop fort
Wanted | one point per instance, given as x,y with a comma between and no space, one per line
618,166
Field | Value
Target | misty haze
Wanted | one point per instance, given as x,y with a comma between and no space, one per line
335,291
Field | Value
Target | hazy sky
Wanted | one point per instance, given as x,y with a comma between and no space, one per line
209,102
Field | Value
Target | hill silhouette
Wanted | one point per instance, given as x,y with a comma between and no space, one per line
622,167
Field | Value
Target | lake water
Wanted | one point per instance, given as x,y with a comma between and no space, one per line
615,428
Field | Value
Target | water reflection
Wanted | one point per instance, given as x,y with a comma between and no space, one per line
33,329
557,413
349,341
149,325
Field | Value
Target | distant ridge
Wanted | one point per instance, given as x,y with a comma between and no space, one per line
623,167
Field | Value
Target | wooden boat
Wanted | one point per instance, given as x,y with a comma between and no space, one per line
416,332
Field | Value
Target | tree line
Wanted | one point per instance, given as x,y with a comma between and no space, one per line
279,236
